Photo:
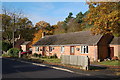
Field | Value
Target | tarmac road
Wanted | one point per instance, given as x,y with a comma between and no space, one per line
12,69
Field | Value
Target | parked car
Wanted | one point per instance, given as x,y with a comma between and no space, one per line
25,52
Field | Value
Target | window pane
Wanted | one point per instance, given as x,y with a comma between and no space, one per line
36,48
62,49
82,49
50,48
86,49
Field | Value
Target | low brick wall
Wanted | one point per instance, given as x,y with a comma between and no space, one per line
82,61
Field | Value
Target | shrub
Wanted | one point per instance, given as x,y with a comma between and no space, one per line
39,55
21,50
35,55
6,46
54,56
5,55
13,52
24,56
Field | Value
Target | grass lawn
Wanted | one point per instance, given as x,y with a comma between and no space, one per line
51,60
111,63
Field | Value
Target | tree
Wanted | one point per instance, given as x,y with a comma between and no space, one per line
6,21
61,28
104,17
25,23
6,46
14,21
79,17
6,28
45,27
69,17
25,26
14,15
37,36
42,25
74,26
27,33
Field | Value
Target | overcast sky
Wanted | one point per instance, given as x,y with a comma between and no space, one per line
51,12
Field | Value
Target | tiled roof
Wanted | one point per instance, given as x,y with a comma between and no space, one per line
116,41
82,37
25,43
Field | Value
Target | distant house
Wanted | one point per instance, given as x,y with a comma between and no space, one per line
25,45
77,43
18,43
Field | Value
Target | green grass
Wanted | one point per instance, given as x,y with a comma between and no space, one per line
111,63
51,60
5,55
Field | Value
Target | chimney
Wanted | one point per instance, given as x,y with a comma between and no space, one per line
43,34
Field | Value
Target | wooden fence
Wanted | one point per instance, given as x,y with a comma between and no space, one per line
82,61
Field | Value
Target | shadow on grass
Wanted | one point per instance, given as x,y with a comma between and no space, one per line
97,67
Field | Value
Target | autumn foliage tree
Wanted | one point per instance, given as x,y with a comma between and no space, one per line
41,27
104,16
37,36
45,27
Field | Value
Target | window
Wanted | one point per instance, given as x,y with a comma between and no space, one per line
50,49
36,48
84,49
72,49
62,49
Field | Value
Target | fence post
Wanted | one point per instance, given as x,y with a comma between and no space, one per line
87,63
19,54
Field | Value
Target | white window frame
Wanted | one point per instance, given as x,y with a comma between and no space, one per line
84,49
62,49
72,49
50,48
37,49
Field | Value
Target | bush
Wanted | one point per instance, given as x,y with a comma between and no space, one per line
24,56
13,52
35,55
54,56
5,55
21,50
6,46
39,55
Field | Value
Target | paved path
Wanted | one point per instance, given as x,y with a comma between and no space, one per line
20,69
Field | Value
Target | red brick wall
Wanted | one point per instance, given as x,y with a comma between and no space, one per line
38,52
92,51
116,50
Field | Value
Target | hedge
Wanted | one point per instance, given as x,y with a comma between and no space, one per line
13,52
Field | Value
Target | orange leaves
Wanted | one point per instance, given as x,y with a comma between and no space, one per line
104,17
37,37
42,25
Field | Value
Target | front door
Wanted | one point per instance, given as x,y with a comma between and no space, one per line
43,51
111,52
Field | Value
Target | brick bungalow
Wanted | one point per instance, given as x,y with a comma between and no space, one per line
75,43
